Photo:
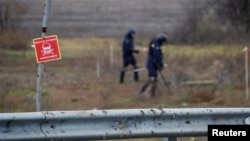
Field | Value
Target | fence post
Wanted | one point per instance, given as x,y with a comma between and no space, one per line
41,65
246,61
98,71
111,54
246,71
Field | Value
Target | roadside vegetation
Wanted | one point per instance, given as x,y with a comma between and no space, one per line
74,84
206,65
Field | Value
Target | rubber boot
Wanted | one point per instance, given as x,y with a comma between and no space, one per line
136,76
144,87
122,74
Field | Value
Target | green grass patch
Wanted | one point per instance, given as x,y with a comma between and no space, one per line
75,47
16,55
21,91
197,51
125,100
79,47
28,90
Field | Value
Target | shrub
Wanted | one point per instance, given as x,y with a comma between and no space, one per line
11,34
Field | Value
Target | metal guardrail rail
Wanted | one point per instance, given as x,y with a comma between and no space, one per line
117,124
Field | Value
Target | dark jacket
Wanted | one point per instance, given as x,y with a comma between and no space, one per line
128,49
155,56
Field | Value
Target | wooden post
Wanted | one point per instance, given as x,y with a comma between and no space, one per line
98,74
246,71
111,54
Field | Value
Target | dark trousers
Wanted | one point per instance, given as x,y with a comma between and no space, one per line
123,72
153,83
152,73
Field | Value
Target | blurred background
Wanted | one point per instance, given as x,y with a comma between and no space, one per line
192,21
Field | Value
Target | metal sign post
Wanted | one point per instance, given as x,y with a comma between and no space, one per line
41,65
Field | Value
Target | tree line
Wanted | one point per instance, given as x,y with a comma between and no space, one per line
213,21
206,22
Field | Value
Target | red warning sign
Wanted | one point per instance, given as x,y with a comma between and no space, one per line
47,49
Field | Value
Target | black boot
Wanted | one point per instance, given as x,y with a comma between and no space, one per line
144,87
122,74
136,76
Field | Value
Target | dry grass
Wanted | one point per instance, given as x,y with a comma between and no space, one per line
72,84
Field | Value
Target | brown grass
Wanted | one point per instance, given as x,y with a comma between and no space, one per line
72,84
72,81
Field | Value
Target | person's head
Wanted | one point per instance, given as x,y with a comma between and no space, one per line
162,38
131,33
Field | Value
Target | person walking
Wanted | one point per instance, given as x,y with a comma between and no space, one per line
128,51
154,63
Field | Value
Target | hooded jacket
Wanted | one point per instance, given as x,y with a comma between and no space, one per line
155,56
128,48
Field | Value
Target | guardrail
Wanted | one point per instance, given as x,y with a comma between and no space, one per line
117,124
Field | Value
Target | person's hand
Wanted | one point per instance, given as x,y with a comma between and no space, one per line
161,68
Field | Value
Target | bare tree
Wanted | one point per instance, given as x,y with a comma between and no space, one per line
186,32
237,12
10,13
213,21
11,34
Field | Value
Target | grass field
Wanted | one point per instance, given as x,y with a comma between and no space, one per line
88,31
72,83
